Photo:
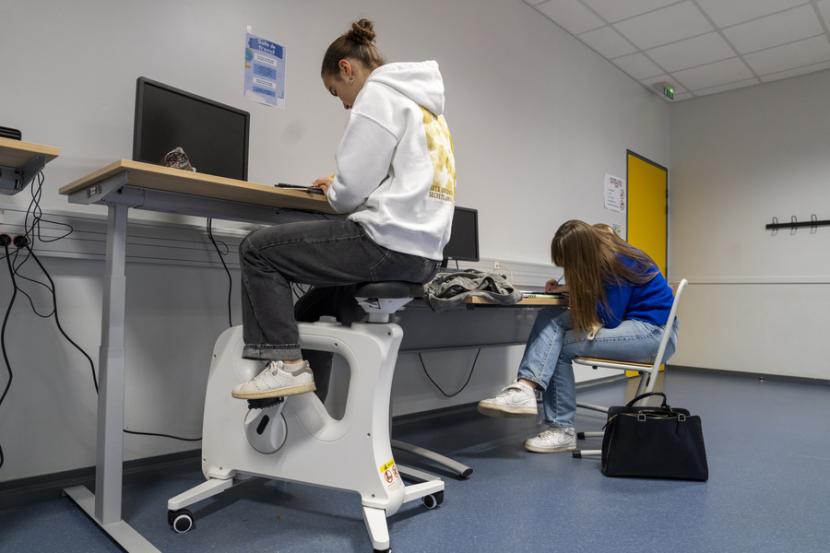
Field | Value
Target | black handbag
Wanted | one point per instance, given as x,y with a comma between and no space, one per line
653,442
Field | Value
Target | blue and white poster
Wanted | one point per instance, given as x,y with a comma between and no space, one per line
264,71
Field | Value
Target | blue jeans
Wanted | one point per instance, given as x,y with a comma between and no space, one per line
553,344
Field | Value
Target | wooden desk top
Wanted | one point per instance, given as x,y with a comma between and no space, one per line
528,302
16,153
166,179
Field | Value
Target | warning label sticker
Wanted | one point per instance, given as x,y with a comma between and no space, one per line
390,473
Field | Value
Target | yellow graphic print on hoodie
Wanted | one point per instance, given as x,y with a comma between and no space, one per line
439,144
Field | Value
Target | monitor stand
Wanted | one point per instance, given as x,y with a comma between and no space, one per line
445,269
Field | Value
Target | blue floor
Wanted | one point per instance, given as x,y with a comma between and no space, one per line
769,491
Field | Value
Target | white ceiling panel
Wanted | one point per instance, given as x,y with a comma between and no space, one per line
572,15
796,72
707,45
638,66
714,74
691,52
607,42
774,30
665,25
824,8
724,88
730,12
781,58
614,10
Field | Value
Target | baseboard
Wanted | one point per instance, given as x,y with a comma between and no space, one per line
50,486
755,375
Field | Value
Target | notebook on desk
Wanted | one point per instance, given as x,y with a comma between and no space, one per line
538,294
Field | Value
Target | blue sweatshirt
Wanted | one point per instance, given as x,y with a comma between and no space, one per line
650,302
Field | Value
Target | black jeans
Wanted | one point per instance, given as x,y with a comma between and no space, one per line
309,248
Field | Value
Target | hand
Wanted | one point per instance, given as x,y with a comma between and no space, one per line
552,286
324,183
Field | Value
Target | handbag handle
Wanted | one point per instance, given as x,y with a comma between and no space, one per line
643,396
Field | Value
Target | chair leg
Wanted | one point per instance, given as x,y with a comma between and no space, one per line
593,407
460,469
583,453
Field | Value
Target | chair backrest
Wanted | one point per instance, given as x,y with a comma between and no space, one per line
667,330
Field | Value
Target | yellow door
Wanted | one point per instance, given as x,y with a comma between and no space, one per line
648,208
647,212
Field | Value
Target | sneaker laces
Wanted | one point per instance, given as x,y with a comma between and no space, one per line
551,433
547,434
514,388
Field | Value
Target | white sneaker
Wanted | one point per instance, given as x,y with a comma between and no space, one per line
553,440
276,381
516,399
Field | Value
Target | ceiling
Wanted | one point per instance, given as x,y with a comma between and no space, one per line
700,46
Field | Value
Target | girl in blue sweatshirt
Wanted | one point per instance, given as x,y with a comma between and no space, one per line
619,304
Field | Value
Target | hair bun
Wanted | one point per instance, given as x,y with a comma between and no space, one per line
363,32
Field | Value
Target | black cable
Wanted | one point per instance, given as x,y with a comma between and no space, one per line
3,337
227,271
31,232
22,291
88,358
57,319
36,212
463,386
136,433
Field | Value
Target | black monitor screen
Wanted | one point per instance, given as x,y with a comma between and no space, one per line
463,244
214,136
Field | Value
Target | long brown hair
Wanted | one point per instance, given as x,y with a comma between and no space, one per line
357,43
591,259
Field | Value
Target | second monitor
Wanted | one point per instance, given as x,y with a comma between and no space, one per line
463,244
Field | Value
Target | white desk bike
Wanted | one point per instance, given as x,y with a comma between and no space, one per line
294,438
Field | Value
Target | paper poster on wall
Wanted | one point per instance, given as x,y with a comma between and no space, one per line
614,193
264,71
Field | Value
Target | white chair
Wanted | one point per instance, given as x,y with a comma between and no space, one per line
648,371
295,439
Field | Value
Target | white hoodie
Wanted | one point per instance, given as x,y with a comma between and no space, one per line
395,164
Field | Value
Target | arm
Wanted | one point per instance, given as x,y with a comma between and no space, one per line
363,161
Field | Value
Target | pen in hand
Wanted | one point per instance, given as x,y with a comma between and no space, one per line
323,183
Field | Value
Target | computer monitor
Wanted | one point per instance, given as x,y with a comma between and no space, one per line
463,244
214,136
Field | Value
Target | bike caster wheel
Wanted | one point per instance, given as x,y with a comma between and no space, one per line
180,521
433,500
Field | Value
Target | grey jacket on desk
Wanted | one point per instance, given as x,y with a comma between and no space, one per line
449,290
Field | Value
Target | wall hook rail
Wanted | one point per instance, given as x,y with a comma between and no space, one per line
794,223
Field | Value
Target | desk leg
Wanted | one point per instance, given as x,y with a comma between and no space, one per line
105,506
110,457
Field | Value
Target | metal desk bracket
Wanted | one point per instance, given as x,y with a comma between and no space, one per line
15,179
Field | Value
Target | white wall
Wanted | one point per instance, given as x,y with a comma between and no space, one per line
537,119
757,299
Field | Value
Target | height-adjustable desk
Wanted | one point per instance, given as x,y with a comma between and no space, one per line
128,184
120,186
20,162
